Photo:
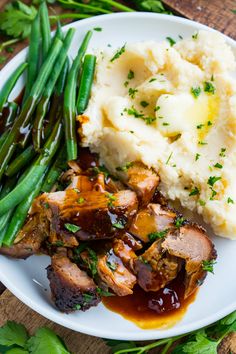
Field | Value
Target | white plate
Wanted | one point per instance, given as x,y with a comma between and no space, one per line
216,297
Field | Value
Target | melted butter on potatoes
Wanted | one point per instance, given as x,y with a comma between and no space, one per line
174,109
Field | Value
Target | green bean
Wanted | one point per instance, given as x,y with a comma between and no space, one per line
2,234
3,137
20,214
45,29
43,104
33,57
70,100
86,82
28,108
62,79
55,171
4,219
12,111
27,184
10,83
20,161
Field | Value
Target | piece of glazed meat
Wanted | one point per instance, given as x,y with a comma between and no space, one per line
153,218
187,246
156,268
114,274
29,239
143,181
191,244
71,212
72,289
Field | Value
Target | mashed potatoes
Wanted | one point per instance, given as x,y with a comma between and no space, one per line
173,108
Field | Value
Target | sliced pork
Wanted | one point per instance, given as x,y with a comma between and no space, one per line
72,289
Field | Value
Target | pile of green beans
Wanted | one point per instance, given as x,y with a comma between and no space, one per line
39,133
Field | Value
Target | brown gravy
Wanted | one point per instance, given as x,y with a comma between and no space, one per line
161,309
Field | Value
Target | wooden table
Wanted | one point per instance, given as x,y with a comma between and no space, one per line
214,13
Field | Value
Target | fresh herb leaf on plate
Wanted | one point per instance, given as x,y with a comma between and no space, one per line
13,333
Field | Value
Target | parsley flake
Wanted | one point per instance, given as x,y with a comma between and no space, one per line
208,266
132,92
209,87
155,235
118,225
130,75
194,191
200,126
195,91
153,79
230,201
197,157
179,221
118,53
212,180
125,167
144,104
98,29
222,152
81,200
218,165
71,227
171,41
195,35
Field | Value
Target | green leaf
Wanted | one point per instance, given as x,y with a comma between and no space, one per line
228,320
13,333
201,345
16,19
17,351
151,5
117,345
46,341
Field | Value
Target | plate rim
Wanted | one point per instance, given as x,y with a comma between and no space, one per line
150,334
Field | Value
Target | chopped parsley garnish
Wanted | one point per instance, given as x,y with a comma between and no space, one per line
130,75
200,126
171,41
118,225
104,293
77,307
87,298
197,156
194,191
111,198
209,123
157,108
133,112
153,79
165,124
170,156
81,200
195,35
132,92
98,29
212,180
230,201
218,165
46,205
144,103
143,260
222,152
118,53
112,265
213,194
195,91
59,243
125,167
72,228
208,266
202,202
101,169
202,143
126,83
92,261
155,235
209,87
179,221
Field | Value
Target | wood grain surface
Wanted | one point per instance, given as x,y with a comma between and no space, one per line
214,13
